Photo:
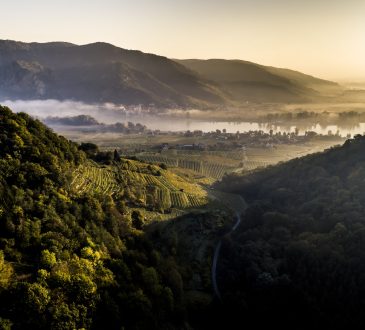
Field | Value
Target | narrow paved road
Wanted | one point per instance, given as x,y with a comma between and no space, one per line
214,269
238,211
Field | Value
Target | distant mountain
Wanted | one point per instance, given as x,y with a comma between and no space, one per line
101,72
247,81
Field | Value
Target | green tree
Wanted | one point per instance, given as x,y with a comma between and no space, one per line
137,219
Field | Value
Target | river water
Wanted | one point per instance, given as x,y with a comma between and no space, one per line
108,114
233,127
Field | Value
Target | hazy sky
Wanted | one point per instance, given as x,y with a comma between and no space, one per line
320,37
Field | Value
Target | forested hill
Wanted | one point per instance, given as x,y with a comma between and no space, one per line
247,81
32,155
299,254
71,259
100,72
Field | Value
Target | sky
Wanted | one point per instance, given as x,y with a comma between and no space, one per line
325,38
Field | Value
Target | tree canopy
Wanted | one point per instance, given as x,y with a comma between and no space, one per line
298,256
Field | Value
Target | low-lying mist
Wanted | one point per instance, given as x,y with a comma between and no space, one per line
321,118
107,113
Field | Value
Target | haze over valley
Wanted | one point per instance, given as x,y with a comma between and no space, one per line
182,164
114,84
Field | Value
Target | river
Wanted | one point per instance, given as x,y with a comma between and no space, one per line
108,114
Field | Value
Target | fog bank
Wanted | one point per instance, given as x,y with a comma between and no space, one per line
108,113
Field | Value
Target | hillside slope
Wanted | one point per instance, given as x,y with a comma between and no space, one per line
99,72
247,81
73,248
300,248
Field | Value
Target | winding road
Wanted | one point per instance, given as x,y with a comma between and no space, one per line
238,211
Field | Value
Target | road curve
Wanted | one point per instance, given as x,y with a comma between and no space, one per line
214,269
216,256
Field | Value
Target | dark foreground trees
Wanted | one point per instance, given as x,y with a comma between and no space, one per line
71,262
298,257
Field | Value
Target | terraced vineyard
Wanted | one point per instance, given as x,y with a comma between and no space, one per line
164,196
165,189
179,199
194,165
169,161
237,155
215,170
250,165
208,169
91,177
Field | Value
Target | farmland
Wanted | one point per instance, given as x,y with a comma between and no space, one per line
92,177
208,169
209,156
214,164
146,185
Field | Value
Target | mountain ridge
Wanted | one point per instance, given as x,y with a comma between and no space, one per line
234,76
101,72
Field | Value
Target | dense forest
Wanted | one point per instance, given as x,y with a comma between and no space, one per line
298,257
71,261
